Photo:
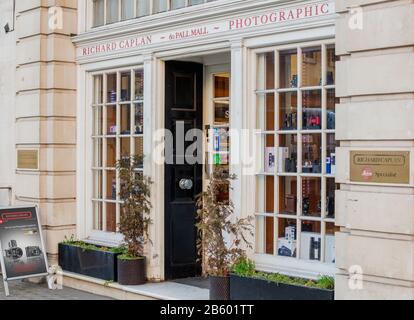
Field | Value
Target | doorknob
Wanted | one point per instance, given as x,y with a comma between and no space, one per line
186,184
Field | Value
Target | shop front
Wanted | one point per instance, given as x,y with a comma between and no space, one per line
253,79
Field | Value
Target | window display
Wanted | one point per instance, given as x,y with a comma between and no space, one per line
122,119
299,151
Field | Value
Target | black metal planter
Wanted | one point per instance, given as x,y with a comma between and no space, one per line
92,263
132,272
244,288
219,288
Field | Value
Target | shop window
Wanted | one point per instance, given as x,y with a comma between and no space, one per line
111,11
295,119
117,131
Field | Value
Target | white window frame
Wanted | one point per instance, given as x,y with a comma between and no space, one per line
293,266
93,235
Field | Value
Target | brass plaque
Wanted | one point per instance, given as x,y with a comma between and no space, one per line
28,159
391,167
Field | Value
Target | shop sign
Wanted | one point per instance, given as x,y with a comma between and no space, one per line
22,248
390,167
28,159
271,17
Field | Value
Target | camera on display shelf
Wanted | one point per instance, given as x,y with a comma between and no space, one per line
291,164
14,252
312,119
290,121
33,251
311,166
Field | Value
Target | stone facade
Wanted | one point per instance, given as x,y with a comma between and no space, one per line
375,84
45,113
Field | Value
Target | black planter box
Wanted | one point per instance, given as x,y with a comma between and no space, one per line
243,288
92,263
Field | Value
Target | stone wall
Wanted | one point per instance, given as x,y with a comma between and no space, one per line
45,112
375,83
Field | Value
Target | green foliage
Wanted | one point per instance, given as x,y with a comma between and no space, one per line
247,268
135,192
90,247
216,223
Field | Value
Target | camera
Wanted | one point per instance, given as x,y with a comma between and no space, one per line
14,252
33,251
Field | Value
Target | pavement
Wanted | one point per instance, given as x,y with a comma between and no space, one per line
23,290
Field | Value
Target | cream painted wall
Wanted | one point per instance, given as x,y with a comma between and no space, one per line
7,98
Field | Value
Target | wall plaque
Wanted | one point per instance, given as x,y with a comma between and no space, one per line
28,159
391,167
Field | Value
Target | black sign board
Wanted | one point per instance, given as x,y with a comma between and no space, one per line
21,243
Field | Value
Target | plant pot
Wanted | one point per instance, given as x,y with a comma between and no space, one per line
244,288
92,263
132,272
219,288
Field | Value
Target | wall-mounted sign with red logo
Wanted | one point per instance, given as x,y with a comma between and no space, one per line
383,167
278,16
22,249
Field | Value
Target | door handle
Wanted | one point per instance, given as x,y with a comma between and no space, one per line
186,184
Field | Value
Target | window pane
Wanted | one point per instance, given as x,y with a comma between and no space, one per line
176,4
331,187
266,112
288,66
270,227
312,112
331,145
310,241
331,229
288,110
111,217
126,86
112,128
98,89
97,184
286,244
110,185
139,148
221,113
221,86
139,118
311,153
97,215
125,147
143,8
311,67
139,85
159,6
288,195
125,119
98,13
97,153
287,153
194,2
270,70
97,121
112,12
330,69
111,153
111,88
127,7
311,197
331,103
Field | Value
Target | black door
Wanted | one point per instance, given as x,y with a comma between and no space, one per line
183,179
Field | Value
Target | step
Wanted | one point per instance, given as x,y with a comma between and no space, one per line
150,291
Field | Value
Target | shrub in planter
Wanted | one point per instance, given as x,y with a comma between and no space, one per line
135,219
249,284
88,259
221,234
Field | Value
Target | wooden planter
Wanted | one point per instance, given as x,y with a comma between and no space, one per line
132,272
92,263
243,288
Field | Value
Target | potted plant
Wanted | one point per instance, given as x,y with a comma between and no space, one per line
135,193
246,283
88,259
221,234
